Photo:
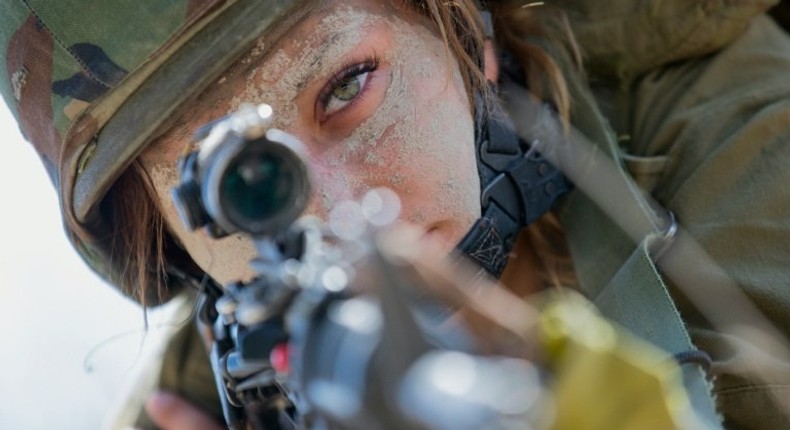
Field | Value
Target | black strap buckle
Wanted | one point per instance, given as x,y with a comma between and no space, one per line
518,186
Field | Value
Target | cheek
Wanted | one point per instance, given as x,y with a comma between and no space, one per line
432,156
419,142
332,183
227,259
442,168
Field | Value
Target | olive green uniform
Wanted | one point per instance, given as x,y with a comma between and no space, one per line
701,105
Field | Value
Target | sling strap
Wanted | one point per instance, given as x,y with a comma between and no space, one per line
636,297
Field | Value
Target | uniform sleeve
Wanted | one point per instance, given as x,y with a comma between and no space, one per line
174,359
722,126
627,38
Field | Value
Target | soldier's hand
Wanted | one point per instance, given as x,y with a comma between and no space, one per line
171,412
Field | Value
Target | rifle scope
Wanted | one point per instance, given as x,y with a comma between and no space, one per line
244,177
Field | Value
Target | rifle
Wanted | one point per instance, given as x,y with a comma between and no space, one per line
336,330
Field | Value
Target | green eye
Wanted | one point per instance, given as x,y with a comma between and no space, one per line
348,89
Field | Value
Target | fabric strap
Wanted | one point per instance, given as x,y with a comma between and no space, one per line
638,299
612,204
518,186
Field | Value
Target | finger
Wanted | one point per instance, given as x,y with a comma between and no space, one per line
171,412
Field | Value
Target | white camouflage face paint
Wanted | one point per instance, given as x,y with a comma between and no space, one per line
411,130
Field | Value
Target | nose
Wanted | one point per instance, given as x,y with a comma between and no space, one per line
333,179
332,183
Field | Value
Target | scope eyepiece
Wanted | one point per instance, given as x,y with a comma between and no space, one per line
243,178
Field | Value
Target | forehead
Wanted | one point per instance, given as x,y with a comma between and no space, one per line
307,41
320,24
307,14
320,37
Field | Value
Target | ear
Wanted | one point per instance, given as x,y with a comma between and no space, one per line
491,62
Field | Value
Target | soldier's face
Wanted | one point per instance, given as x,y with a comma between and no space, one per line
376,100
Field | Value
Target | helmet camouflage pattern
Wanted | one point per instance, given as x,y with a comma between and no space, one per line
89,82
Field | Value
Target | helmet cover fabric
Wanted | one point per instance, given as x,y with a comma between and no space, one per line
71,65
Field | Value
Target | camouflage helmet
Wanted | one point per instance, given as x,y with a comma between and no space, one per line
90,82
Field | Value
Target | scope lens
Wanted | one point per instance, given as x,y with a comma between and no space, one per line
257,186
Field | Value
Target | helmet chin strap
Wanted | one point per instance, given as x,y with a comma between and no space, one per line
518,185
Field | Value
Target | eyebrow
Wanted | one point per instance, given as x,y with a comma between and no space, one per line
292,17
298,15
318,60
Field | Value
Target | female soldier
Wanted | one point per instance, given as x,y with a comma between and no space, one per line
393,94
